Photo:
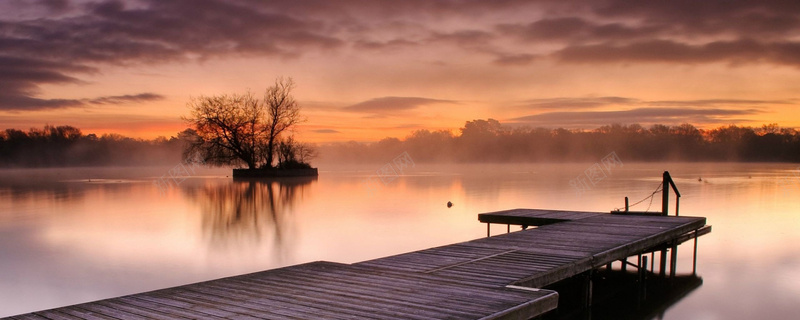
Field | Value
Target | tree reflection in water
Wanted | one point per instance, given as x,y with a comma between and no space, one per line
248,212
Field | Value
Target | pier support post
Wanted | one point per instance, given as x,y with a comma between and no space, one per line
587,287
662,270
488,229
673,261
694,255
639,262
665,194
624,264
643,279
652,261
627,208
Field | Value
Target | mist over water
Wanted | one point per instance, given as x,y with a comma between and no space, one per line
81,234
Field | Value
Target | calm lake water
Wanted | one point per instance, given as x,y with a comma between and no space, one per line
75,235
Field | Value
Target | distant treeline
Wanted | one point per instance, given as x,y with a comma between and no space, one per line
477,141
67,146
489,141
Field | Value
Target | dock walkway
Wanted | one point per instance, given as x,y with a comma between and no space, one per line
488,278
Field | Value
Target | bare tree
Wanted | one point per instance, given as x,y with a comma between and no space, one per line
283,112
240,129
294,155
306,152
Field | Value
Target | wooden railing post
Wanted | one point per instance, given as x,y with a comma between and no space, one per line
666,184
665,194
627,208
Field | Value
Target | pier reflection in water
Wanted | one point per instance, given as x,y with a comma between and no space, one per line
619,295
246,212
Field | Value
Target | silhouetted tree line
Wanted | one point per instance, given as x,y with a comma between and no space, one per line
490,141
67,146
478,141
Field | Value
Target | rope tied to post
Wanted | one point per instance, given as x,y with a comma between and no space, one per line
651,197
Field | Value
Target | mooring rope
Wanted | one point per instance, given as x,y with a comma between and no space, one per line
651,197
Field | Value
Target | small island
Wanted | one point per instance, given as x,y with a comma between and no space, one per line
274,173
250,133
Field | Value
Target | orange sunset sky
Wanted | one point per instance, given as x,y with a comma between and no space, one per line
368,69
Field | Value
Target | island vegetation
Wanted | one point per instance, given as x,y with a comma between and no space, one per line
243,130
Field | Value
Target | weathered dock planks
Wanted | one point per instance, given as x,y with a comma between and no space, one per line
546,254
317,290
488,278
533,217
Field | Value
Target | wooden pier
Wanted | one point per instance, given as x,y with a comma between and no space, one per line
490,278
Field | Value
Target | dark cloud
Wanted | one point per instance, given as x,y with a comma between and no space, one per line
578,103
11,102
702,111
602,31
463,38
21,102
142,97
394,104
172,30
583,103
515,59
153,30
70,38
549,29
91,121
394,44
716,102
686,19
667,51
325,131
480,42
591,119
55,6
147,31
408,126
569,29
20,78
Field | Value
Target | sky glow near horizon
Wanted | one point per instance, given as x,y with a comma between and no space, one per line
366,70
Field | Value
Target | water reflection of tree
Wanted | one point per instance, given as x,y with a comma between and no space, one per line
248,212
